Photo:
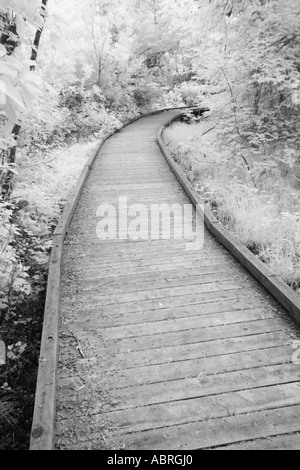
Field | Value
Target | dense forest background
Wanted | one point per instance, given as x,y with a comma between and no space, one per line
72,71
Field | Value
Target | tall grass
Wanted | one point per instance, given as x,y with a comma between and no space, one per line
46,181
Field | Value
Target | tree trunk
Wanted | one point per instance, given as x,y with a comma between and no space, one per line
38,35
10,43
9,156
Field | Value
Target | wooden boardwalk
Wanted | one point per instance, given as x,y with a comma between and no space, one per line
160,347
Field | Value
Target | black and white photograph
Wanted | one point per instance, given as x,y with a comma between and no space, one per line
149,228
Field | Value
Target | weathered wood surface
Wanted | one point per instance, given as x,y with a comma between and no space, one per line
160,347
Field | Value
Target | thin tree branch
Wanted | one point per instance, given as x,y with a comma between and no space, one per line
38,35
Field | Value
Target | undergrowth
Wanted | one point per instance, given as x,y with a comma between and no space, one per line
27,223
23,277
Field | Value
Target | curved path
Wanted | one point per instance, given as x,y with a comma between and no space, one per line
163,347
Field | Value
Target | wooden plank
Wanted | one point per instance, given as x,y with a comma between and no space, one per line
42,435
193,410
283,442
160,304
195,335
180,257
101,299
111,256
133,186
128,246
231,303
140,282
212,348
166,271
179,353
164,352
211,433
185,323
127,286
99,271
195,436
187,388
